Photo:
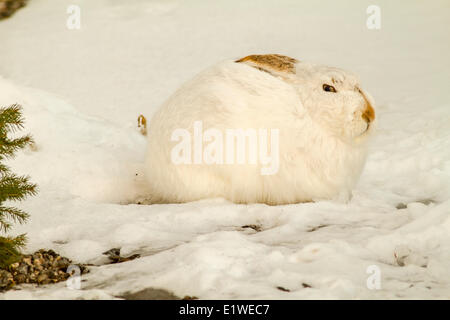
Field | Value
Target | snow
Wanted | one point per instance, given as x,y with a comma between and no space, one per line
82,91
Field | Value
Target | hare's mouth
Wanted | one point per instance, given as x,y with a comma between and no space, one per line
367,127
362,129
365,130
368,116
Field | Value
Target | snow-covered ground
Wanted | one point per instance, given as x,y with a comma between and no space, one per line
82,91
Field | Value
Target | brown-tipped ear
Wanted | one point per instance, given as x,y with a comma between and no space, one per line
271,63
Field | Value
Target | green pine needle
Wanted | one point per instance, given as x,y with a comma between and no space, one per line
12,186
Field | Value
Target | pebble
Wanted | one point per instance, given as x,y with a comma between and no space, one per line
42,267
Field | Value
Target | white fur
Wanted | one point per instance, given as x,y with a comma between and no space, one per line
322,135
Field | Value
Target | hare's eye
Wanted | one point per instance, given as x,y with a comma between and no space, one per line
328,88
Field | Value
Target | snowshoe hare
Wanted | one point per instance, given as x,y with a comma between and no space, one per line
261,129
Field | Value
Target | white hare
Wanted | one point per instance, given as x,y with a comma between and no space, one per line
320,116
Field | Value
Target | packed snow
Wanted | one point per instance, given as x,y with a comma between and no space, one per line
82,91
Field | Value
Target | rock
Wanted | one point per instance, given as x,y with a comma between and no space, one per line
8,7
283,289
52,253
6,280
21,278
27,260
42,267
401,206
114,256
22,269
37,258
150,294
42,278
63,263
129,258
255,227
54,275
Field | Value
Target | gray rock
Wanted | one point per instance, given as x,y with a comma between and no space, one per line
150,294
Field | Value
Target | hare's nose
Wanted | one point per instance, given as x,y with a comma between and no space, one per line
368,114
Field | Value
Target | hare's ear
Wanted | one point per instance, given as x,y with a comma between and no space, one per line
274,64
